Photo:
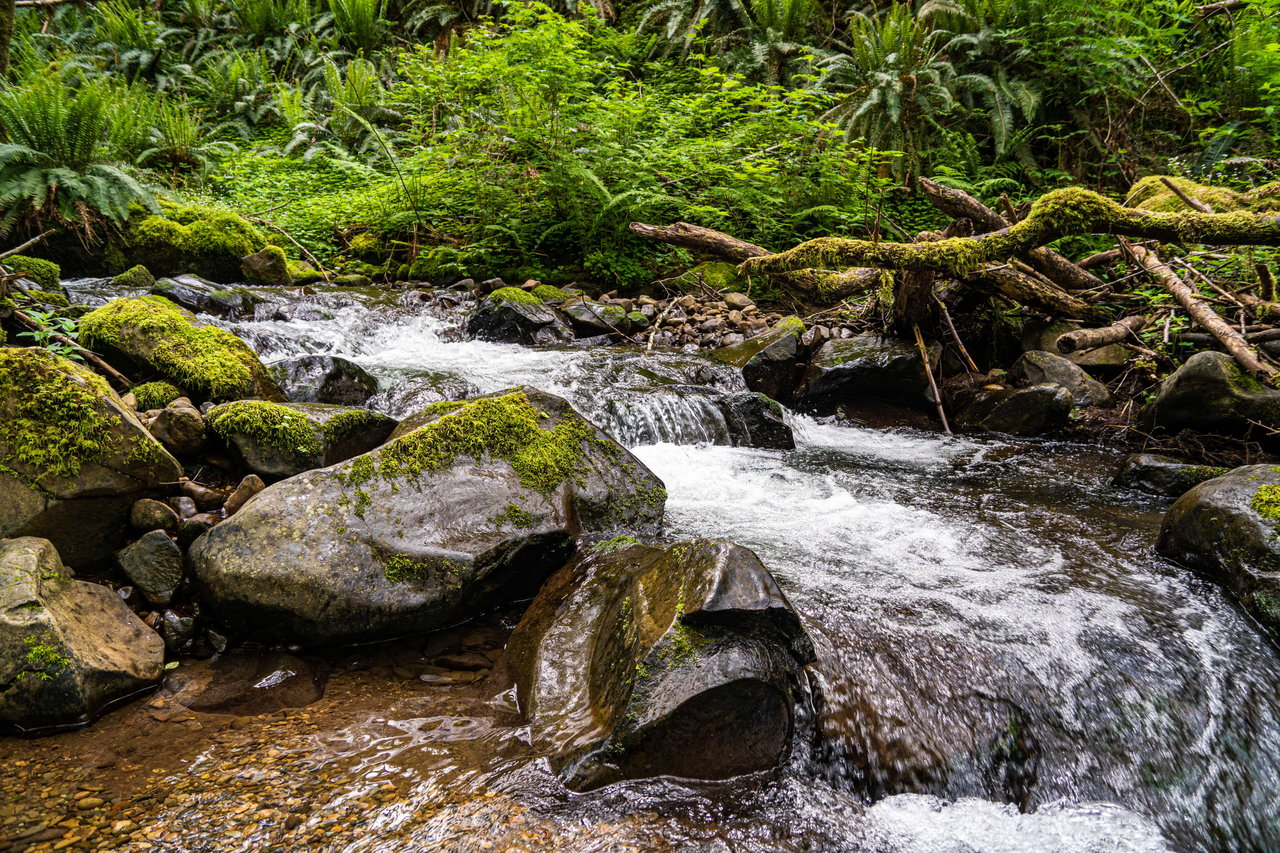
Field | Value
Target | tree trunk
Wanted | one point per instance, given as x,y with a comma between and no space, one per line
8,22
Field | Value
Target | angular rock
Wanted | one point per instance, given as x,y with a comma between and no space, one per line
267,266
640,661
1228,528
738,300
196,526
421,390
178,632
845,371
248,487
593,318
1162,475
474,508
755,421
204,297
324,379
1038,367
67,648
771,363
150,514
180,429
510,315
1210,393
1016,411
73,458
153,564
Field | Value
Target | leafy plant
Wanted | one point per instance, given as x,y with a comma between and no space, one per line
50,326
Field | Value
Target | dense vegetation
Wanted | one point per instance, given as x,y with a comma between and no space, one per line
428,139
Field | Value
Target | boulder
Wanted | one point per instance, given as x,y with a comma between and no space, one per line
472,506
847,370
324,379
771,363
150,514
73,458
1228,528
267,266
590,319
421,390
511,315
149,334
153,564
204,297
1015,411
636,661
206,241
1038,367
180,428
755,421
1210,393
1162,475
1043,336
67,648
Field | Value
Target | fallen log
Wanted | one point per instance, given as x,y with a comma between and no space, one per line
1265,336
1085,339
1040,296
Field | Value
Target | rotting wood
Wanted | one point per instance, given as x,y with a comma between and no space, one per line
1086,339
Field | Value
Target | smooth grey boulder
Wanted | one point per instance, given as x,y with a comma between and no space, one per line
153,564
472,506
204,297
1162,475
1228,528
323,379
1038,367
1016,411
73,458
635,661
1210,393
509,315
67,648
849,370
771,363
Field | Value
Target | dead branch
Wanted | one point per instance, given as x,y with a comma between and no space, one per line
1085,339
120,380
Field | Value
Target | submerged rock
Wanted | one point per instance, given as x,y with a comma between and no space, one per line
511,315
1038,367
1228,528
771,363
67,648
472,508
204,297
1212,394
1016,411
324,379
636,661
755,421
1162,475
73,458
847,370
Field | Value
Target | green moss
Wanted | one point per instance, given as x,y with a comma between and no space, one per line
55,419
154,395
208,361
515,295
1268,604
137,277
1150,193
506,427
517,517
190,238
400,568
46,658
617,543
348,423
46,274
791,324
444,407
1266,502
45,298
271,424
548,293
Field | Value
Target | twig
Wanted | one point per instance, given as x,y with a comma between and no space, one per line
1193,203
928,371
964,353
301,248
26,245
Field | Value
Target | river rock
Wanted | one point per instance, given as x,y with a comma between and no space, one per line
267,266
511,315
1211,393
1162,475
1043,336
149,334
1016,411
73,458
249,682
755,421
1228,528
180,428
204,297
1038,367
638,661
151,514
324,379
247,488
592,318
473,508
771,363
153,564
67,648
846,371
421,390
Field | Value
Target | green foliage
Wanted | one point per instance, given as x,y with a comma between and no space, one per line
49,327
47,660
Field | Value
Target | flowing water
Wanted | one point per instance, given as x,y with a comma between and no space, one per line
1006,664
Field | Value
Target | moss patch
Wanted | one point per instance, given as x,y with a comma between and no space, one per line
190,238
348,423
617,543
1266,502
547,293
154,395
268,423
517,517
402,568
46,659
46,274
137,276
514,295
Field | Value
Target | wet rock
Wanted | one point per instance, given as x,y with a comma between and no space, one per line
196,526
772,362
1162,475
474,508
845,371
178,632
1038,367
324,379
151,514
348,431
738,301
204,297
180,429
67,648
641,661
73,458
267,266
421,390
511,315
1015,411
153,564
250,682
1212,394
203,497
755,421
593,318
1228,528
248,487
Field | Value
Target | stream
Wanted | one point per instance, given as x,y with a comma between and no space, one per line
1005,663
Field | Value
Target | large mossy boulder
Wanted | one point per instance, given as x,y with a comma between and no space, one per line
1228,528
847,371
67,648
324,379
637,661
1210,393
472,506
73,458
772,363
205,241
204,297
512,315
151,334
267,266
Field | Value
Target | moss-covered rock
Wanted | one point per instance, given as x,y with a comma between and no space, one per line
1210,393
1163,475
73,458
206,241
267,266
772,363
46,274
154,395
67,648
717,275
151,334
552,295
419,534
136,277
512,315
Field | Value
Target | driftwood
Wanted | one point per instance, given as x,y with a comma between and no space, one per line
1085,339
1204,316
933,385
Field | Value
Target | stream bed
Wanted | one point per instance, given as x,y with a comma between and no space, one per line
1005,663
